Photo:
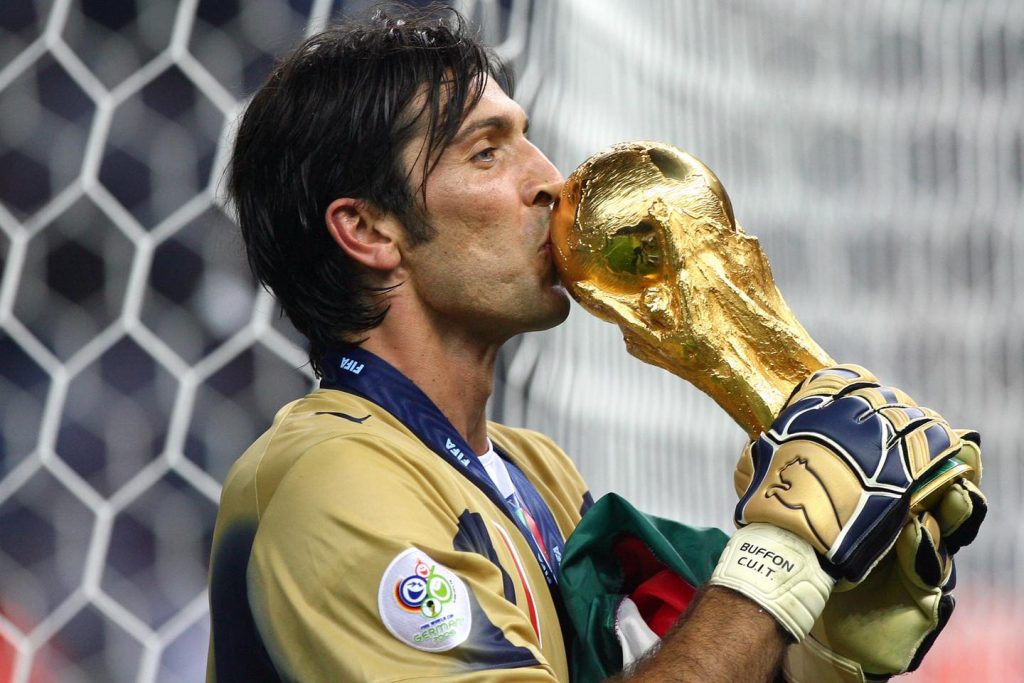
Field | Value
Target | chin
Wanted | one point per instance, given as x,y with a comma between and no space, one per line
557,309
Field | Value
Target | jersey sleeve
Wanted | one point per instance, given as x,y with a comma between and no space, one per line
354,575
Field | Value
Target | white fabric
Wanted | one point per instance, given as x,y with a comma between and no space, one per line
497,471
635,636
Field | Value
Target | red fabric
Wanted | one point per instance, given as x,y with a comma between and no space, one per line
659,594
661,599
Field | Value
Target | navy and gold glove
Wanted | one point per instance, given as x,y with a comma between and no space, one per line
886,624
825,492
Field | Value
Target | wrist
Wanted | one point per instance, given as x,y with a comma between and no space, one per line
778,570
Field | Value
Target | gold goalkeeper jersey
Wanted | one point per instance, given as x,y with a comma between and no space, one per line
346,549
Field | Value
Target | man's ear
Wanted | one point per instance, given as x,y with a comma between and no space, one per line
364,233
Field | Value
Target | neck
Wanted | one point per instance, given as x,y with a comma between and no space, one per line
457,374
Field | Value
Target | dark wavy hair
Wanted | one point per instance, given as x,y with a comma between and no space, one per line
332,120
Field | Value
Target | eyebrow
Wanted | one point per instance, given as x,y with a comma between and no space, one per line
501,122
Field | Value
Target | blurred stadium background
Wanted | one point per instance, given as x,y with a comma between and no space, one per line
876,148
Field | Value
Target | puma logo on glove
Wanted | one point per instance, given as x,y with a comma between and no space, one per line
798,479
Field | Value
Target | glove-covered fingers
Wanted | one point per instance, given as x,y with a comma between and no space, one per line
922,554
962,507
960,514
923,435
927,440
928,565
833,381
930,438
934,453
970,453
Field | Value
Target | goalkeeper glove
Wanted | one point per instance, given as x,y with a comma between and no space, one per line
825,491
885,625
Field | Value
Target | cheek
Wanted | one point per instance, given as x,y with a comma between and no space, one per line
473,199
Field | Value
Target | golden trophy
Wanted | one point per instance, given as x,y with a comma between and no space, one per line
644,236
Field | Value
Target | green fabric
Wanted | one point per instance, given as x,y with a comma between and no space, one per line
592,578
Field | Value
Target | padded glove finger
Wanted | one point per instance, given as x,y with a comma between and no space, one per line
960,514
963,507
971,453
923,556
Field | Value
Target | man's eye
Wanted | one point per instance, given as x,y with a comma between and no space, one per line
485,154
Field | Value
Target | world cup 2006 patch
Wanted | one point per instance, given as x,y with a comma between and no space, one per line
424,604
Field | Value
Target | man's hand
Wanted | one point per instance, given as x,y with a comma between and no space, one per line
885,625
825,491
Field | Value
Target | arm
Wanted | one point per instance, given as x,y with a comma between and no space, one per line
776,568
345,527
630,583
724,636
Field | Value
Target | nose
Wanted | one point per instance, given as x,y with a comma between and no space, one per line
545,182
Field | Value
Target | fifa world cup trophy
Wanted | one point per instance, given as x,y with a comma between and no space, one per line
644,236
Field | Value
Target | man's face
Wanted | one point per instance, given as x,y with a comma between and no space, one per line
489,269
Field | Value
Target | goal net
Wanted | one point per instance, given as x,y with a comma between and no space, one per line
875,148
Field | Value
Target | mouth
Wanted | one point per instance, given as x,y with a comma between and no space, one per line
545,235
547,246
546,258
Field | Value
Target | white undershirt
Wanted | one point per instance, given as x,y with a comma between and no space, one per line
497,471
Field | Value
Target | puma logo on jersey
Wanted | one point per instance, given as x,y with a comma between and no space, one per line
350,418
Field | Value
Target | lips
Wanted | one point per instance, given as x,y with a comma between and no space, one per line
545,227
548,224
546,254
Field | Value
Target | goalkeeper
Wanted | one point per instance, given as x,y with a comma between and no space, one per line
383,529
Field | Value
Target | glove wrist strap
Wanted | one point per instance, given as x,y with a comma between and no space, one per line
778,570
811,662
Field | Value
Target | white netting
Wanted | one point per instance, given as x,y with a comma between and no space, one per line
137,356
876,150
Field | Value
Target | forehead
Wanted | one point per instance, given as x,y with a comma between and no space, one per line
494,109
494,102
